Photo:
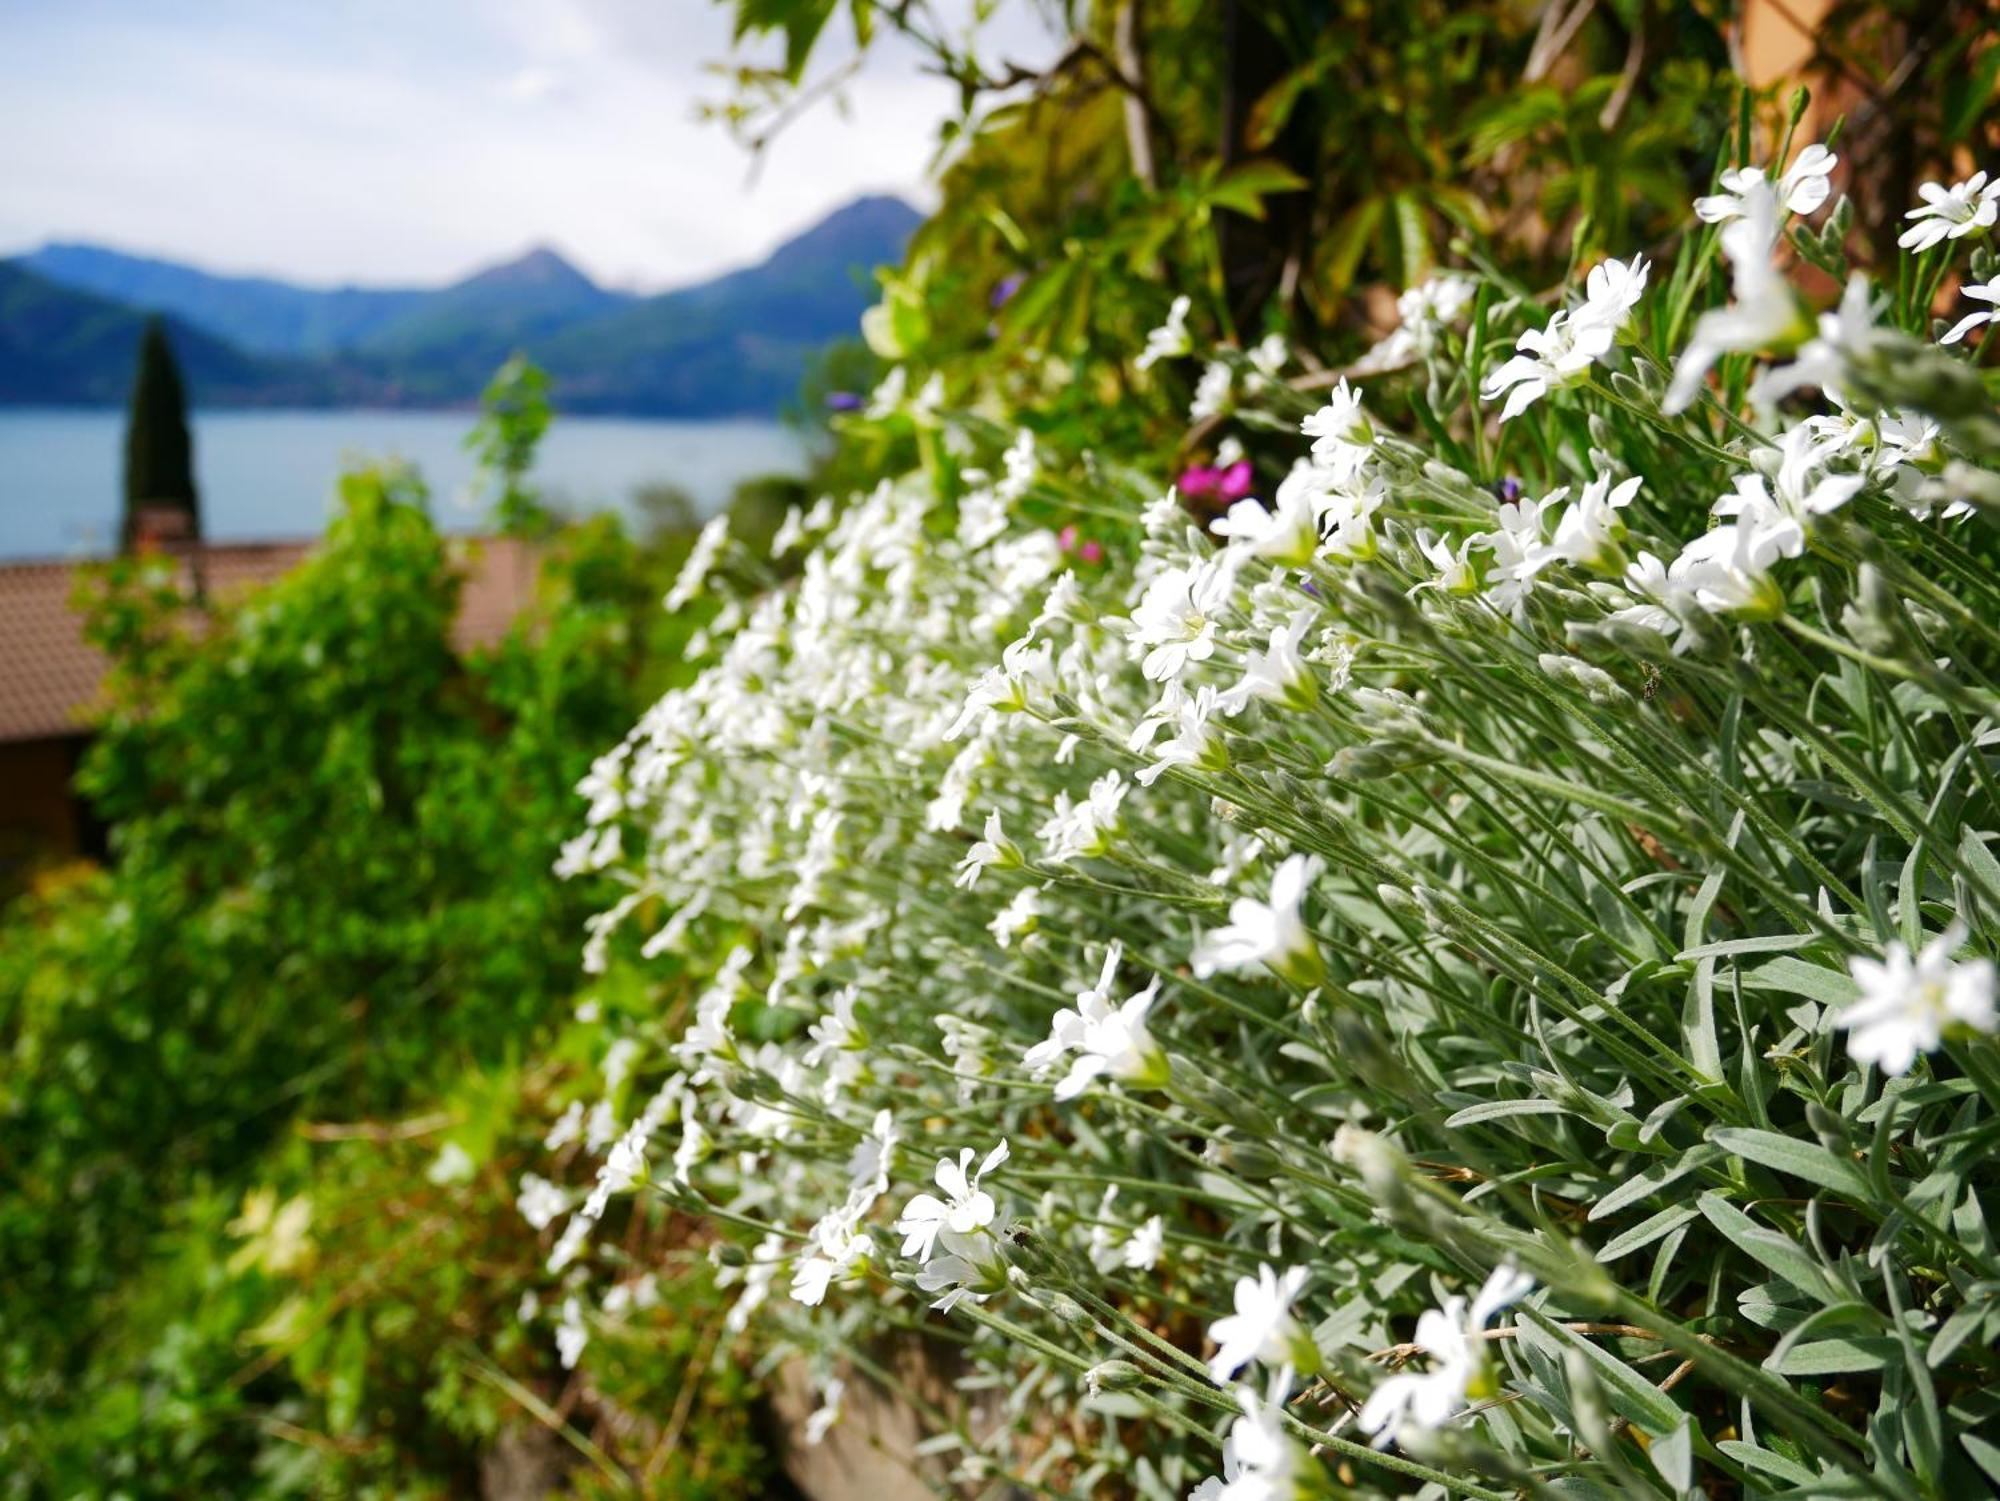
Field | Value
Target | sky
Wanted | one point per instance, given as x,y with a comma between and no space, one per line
409,142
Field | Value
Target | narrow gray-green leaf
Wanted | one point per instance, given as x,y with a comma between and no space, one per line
1830,987
1495,1110
1636,1399
1828,1357
1777,1253
1795,1158
1646,1232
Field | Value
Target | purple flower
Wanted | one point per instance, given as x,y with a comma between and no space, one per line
842,401
1508,490
1007,287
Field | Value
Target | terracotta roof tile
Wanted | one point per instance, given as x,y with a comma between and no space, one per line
49,676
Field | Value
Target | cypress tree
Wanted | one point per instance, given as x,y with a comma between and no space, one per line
159,455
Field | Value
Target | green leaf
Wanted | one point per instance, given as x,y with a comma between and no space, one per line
1704,1045
1647,1231
1673,1455
1246,187
1751,1457
1493,1110
1645,1185
1637,1400
1777,1253
1985,1455
1830,987
1829,1357
1798,1159
1769,943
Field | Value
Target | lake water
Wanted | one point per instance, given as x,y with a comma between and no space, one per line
270,475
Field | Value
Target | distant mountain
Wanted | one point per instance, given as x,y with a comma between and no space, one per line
255,313
739,343
68,348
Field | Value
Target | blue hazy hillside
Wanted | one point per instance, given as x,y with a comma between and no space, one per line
70,314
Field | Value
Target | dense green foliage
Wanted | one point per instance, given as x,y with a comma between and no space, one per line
235,1055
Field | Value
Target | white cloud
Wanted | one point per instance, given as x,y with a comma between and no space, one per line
387,141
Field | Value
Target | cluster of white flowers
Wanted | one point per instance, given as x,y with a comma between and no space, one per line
964,838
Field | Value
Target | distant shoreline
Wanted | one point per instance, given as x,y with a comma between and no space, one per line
369,409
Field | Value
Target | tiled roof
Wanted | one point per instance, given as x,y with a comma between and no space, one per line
49,677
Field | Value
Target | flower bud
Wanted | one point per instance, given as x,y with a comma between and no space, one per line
1112,1376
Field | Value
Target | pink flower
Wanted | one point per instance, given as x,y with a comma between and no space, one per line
1087,549
1210,482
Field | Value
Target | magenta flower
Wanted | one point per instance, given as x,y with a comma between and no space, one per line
1209,482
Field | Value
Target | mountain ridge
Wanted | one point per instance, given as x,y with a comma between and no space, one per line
737,343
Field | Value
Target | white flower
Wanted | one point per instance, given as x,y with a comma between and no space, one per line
1611,292
1267,358
453,1164
571,1334
1458,1372
623,1168
1279,675
1143,1250
1259,1460
1022,464
701,560
1287,535
1987,292
1196,743
1777,512
996,850
569,1245
1951,213
1176,617
1347,510
1519,553
540,1201
1340,425
1588,533
1212,392
1018,919
1455,573
868,1166
618,1060
827,1413
1081,830
1765,312
982,517
1262,1327
1003,689
1728,569
1548,359
1803,188
1840,338
1268,933
1425,311
1170,340
838,1031
1438,301
971,1268
838,1246
1106,1039
1907,1006
568,1127
964,1209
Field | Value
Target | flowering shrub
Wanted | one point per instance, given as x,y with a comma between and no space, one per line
1463,969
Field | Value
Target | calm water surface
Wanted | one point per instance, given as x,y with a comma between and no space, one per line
269,475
